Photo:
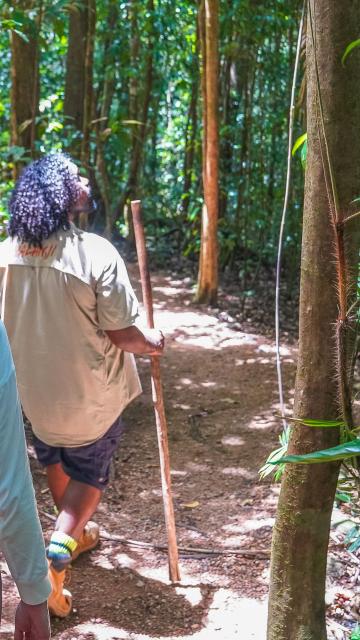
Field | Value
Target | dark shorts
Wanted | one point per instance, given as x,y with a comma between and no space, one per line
89,464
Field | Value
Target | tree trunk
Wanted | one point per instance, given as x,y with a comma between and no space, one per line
301,533
103,115
143,99
78,102
25,83
88,83
75,67
227,142
190,132
208,266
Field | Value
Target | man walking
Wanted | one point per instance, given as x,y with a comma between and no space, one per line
20,532
70,313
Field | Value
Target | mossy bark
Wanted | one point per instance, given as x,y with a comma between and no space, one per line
301,533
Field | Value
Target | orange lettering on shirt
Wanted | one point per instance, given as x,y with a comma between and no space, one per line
25,250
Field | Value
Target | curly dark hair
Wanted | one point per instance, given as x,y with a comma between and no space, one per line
42,198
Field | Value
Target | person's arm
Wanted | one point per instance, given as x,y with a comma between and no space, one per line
138,340
21,537
117,308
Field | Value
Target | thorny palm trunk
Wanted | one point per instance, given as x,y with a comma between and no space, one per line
25,84
208,266
296,606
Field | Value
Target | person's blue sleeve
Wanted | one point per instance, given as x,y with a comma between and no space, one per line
21,538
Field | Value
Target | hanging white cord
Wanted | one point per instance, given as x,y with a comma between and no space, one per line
283,217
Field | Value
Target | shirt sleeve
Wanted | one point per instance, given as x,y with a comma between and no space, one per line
21,538
117,305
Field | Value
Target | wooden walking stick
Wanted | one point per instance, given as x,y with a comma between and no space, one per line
158,398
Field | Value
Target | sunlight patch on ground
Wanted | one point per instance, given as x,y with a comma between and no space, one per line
235,541
268,421
103,561
270,348
241,361
191,594
195,466
239,471
233,528
124,561
232,441
258,523
169,291
232,617
161,574
99,630
229,617
172,320
202,330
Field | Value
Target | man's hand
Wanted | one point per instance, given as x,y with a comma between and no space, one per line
156,338
138,340
32,622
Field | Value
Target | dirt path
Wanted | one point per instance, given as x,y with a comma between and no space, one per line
221,398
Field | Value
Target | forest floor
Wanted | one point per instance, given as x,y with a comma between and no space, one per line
221,396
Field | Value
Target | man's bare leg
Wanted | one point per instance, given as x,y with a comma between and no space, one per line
75,501
57,480
78,504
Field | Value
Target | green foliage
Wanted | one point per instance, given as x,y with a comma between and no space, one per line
340,452
353,45
355,634
298,143
275,458
318,424
278,457
349,448
301,143
352,539
348,493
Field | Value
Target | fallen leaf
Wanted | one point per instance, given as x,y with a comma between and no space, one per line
191,505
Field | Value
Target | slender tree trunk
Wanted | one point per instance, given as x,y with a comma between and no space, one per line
190,138
226,154
208,266
245,163
75,67
103,114
301,533
144,99
78,102
88,83
25,83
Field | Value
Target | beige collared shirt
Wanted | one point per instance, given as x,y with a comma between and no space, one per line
58,301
